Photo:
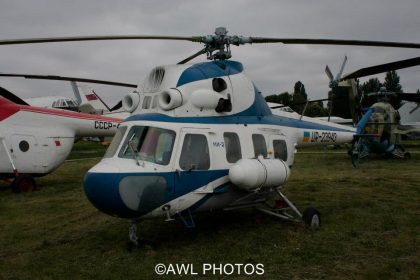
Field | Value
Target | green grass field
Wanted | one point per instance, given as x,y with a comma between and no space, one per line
370,228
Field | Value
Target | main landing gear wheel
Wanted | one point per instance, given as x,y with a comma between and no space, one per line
311,218
284,209
399,152
23,183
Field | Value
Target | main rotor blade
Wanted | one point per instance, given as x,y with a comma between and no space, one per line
329,74
211,39
117,106
334,42
60,78
12,97
342,68
413,97
203,51
97,38
383,68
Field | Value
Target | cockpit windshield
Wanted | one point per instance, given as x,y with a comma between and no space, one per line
151,144
116,141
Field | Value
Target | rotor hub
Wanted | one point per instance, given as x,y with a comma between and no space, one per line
218,45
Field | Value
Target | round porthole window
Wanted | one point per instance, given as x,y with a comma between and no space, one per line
24,146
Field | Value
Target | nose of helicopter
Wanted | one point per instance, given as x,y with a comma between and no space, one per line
101,188
126,195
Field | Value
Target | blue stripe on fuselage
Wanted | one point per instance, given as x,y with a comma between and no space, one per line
235,119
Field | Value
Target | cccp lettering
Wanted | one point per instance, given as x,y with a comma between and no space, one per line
103,125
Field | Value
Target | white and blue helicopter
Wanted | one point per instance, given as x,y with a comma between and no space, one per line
201,137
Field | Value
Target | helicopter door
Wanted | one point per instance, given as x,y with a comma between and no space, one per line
24,153
193,161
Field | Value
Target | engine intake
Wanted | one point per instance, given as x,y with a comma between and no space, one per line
131,101
170,99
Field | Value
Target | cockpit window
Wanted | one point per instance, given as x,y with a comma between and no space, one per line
112,149
71,103
145,143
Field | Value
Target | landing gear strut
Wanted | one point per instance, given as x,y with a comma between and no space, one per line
132,234
359,151
135,241
284,209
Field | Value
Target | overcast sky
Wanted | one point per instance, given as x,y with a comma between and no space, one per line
273,67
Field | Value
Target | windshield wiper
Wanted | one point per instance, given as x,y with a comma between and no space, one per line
134,151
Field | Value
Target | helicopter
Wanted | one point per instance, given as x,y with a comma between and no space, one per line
35,141
201,137
380,132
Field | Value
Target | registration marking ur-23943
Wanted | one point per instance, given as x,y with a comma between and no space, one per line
319,137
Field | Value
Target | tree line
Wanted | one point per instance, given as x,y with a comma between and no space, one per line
298,97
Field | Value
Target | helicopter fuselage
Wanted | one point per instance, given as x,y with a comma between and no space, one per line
200,137
184,163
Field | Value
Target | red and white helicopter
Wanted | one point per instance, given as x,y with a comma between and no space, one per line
201,137
34,141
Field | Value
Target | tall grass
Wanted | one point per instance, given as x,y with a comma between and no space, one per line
370,229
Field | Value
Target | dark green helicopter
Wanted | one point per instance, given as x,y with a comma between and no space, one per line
379,130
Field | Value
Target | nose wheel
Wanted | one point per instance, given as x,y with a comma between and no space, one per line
132,235
135,241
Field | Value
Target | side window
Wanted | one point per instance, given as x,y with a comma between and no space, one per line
195,153
280,149
260,148
232,146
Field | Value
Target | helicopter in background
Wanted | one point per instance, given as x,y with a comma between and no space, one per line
85,98
34,140
201,137
380,131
